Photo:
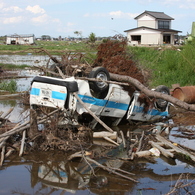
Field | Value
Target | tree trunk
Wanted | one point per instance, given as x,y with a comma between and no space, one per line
150,93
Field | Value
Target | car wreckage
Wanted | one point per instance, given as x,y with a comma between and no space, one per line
108,101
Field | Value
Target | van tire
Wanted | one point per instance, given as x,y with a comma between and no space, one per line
99,72
161,103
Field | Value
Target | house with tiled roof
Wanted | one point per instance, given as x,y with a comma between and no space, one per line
153,28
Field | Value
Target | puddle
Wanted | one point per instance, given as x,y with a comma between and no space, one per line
190,143
50,174
41,173
29,59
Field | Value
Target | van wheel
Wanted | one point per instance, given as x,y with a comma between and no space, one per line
161,103
99,73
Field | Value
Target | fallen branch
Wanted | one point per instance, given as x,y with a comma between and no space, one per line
176,149
22,143
92,114
2,155
151,93
25,125
109,169
105,134
111,141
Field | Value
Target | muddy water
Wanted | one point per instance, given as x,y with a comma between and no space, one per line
51,173
29,59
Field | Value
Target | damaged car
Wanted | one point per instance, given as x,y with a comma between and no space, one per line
108,101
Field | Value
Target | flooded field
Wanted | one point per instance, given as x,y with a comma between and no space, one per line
51,173
29,59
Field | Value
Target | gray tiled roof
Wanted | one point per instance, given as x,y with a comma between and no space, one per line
157,15
162,30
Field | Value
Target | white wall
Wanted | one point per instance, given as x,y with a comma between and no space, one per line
20,40
146,20
148,36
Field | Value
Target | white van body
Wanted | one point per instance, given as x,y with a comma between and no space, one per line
116,104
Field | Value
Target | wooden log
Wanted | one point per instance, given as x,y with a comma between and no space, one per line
92,114
105,134
2,155
111,141
176,149
22,143
162,150
109,169
141,154
151,93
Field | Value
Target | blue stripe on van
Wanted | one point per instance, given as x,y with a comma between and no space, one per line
116,105
92,100
58,95
103,103
152,112
35,91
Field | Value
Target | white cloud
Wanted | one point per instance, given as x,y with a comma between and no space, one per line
87,15
41,19
14,9
120,14
35,9
1,5
12,20
114,14
70,24
187,4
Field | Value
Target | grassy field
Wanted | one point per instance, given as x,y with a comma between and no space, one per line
55,47
167,66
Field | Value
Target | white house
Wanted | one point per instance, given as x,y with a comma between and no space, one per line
153,28
20,39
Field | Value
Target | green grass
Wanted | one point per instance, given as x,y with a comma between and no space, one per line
13,66
54,47
10,86
167,66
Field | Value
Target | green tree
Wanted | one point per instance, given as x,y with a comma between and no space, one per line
92,38
45,37
78,33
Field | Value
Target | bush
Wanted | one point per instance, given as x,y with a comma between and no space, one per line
10,86
168,65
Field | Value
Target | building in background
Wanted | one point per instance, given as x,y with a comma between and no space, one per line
153,28
16,39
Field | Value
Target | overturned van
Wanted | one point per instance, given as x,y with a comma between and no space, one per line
107,101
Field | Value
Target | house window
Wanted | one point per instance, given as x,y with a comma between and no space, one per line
163,24
136,38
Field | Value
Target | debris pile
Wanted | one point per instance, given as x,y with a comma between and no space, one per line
113,56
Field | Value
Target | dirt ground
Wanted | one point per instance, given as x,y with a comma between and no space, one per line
182,117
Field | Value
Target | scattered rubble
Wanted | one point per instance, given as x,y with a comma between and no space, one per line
43,132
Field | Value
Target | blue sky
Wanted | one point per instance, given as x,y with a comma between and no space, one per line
102,17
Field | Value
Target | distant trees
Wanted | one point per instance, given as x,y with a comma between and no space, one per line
45,37
92,38
78,33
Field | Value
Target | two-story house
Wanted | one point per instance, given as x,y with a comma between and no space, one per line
153,28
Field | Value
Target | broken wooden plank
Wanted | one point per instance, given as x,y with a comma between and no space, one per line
111,141
161,149
105,134
176,149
